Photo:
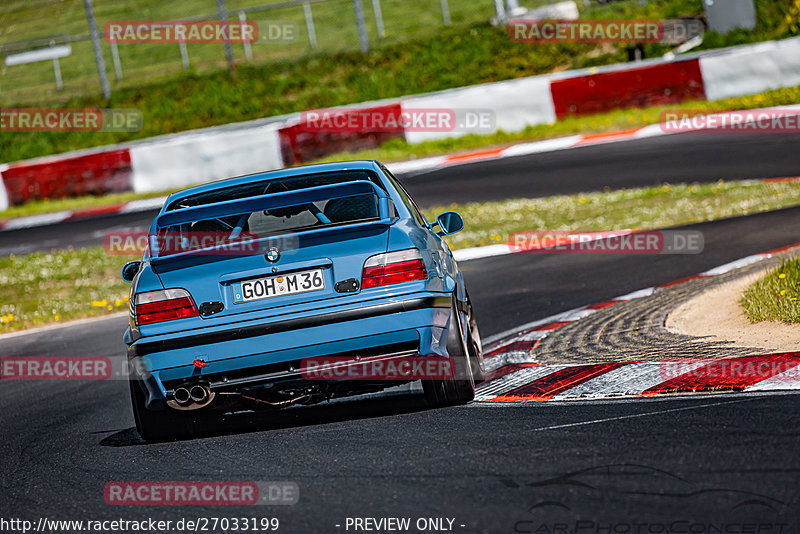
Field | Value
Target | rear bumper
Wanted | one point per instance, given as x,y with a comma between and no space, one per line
258,353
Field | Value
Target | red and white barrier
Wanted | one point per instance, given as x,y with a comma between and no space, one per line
3,195
302,141
651,85
751,69
57,177
516,104
193,158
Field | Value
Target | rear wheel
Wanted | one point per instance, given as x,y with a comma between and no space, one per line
459,389
158,426
474,346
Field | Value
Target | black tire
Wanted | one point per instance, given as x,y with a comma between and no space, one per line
158,425
475,346
460,389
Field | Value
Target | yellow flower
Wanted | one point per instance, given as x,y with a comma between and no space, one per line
782,275
56,317
99,303
783,291
110,307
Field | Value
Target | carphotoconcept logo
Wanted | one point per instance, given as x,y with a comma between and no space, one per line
604,31
607,242
70,120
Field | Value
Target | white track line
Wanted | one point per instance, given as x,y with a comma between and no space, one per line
632,416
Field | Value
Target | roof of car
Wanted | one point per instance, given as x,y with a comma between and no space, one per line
279,173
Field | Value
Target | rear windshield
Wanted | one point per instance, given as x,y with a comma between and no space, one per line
260,224
275,185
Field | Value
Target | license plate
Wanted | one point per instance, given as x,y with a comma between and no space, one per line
275,286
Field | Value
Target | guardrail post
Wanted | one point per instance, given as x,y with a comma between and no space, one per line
312,34
223,17
184,54
362,25
248,51
445,13
115,58
57,70
376,8
98,52
500,10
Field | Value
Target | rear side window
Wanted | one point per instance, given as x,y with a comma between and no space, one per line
407,200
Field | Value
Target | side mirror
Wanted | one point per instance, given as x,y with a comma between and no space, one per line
130,269
449,222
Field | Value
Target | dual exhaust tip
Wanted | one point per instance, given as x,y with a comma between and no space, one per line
192,396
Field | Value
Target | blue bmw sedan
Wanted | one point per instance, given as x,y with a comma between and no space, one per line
294,287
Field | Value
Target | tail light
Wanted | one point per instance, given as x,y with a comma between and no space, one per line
165,305
393,268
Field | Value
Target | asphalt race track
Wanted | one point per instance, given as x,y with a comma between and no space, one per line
688,157
683,464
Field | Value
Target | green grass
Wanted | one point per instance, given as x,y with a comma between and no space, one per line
58,285
47,287
490,223
38,207
776,297
427,59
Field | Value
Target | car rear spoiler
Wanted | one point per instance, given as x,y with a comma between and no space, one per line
275,201
386,215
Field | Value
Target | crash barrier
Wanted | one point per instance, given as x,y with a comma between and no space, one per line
97,174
